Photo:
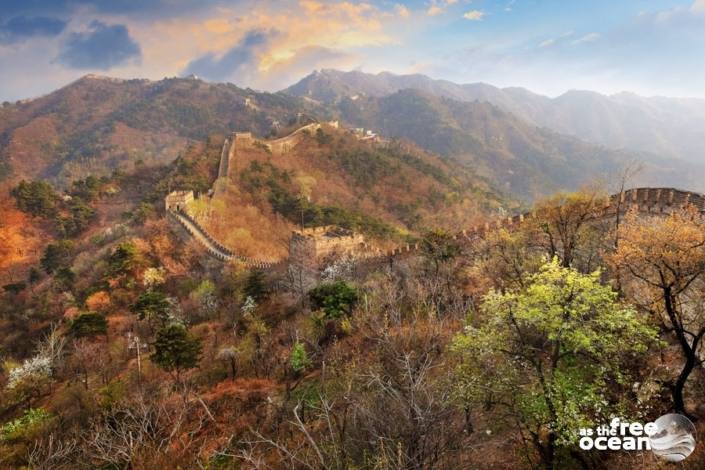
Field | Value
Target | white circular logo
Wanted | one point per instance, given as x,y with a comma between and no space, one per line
674,439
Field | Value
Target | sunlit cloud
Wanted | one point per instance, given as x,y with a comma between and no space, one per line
402,10
437,7
474,15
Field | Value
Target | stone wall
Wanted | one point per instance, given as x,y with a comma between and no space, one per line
178,200
310,247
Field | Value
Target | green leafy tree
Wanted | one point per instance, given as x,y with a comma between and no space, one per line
36,198
255,286
552,354
335,299
56,255
299,360
65,277
153,306
176,350
80,216
89,324
124,259
143,212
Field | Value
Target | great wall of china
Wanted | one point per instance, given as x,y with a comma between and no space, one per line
645,200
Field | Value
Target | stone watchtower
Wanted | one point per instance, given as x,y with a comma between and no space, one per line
310,247
178,200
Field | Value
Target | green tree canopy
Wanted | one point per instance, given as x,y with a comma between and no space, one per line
176,350
256,285
124,258
152,305
56,255
552,355
89,324
36,198
335,299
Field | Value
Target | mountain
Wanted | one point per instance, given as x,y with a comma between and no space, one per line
389,191
521,158
671,127
99,124
96,125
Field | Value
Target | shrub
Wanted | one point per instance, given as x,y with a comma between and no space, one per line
335,299
25,426
89,324
299,360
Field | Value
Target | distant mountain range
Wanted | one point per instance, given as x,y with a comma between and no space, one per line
98,124
669,127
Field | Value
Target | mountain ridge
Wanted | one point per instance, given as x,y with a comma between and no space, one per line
673,127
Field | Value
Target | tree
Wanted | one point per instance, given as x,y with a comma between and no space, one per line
551,354
89,324
662,265
256,286
334,299
440,247
56,255
152,305
176,350
36,198
229,354
298,359
65,277
33,276
124,258
565,227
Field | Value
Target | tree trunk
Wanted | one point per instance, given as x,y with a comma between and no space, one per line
677,389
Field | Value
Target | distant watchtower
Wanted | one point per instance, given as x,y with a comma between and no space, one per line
178,200
310,247
243,138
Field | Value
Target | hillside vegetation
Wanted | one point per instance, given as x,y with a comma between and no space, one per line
96,125
389,192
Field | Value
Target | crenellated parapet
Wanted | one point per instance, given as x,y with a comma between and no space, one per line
656,201
312,244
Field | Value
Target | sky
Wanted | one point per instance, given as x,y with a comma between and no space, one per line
650,47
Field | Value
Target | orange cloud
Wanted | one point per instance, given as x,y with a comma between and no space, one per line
303,27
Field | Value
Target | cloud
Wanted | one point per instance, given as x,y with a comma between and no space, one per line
698,6
20,28
242,54
101,46
554,41
302,62
590,37
436,7
402,10
474,15
137,9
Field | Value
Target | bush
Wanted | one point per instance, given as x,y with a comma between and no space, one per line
335,299
89,324
299,360
24,427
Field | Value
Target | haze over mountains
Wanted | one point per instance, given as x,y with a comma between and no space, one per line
670,127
